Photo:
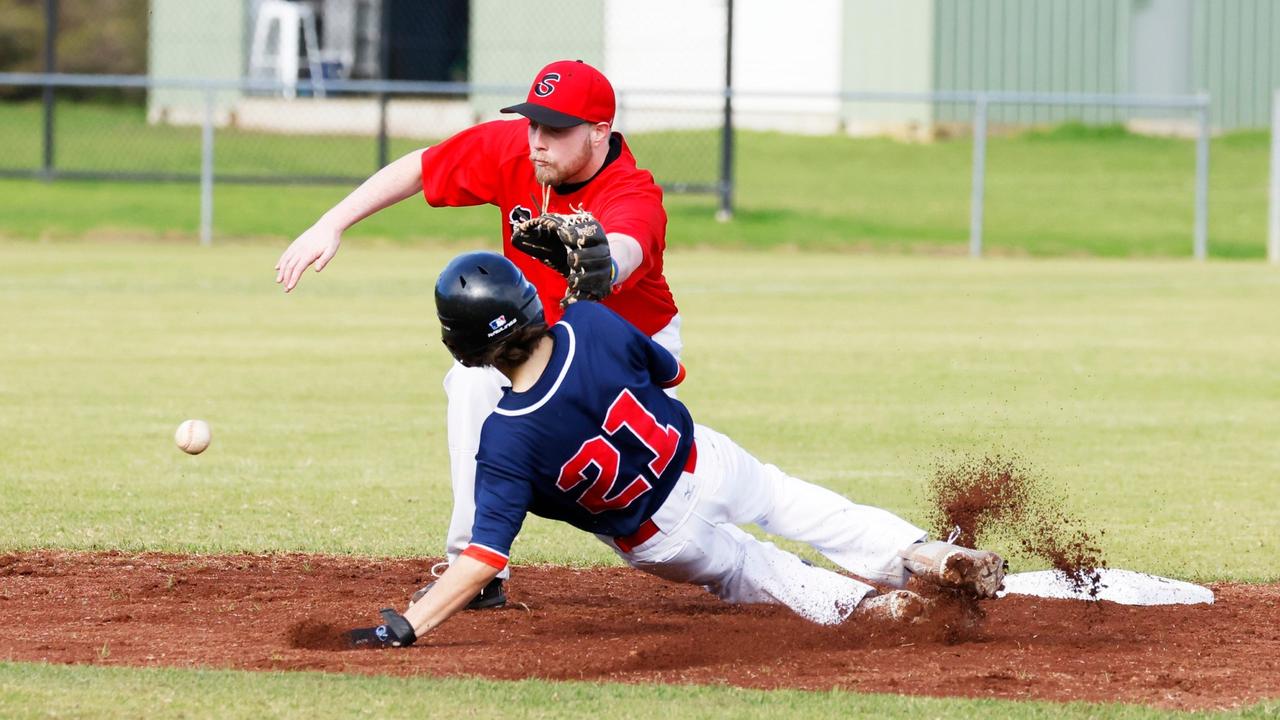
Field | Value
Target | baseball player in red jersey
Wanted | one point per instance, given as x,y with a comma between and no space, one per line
562,157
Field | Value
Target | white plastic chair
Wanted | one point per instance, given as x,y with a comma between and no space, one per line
288,24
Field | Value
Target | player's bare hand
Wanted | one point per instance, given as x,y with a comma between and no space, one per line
316,246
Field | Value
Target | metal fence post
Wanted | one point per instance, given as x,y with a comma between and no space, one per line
50,65
206,171
725,213
384,72
1273,229
384,143
1202,184
979,174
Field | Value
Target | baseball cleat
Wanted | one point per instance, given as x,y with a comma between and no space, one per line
980,572
897,606
491,596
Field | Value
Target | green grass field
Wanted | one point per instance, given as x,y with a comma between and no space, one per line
42,691
1070,191
1143,391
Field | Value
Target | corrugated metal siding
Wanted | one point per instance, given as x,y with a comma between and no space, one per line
1235,59
1032,45
1084,46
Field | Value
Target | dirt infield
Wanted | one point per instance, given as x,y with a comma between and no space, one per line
257,613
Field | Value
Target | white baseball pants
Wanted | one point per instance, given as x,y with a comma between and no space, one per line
699,541
473,393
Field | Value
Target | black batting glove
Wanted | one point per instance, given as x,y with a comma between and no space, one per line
395,631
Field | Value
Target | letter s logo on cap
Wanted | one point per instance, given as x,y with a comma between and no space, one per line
546,85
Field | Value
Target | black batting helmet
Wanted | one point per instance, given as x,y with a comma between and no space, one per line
481,299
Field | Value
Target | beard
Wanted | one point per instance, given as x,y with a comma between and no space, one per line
557,173
547,175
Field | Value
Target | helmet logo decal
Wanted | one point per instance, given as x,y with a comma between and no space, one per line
546,85
499,324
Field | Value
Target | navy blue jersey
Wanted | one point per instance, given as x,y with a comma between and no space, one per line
595,442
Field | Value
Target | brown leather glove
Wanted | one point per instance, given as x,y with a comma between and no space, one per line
574,246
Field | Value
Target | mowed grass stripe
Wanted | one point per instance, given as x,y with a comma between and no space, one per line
43,691
1141,391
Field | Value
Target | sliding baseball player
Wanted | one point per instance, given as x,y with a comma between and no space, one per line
587,435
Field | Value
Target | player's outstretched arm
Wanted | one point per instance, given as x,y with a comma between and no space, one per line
627,255
460,583
317,246
464,579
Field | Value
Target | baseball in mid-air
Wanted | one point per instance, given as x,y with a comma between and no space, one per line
193,436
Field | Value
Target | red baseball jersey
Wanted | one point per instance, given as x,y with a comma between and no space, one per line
489,163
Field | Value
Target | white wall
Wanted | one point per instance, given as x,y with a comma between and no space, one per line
787,47
666,44
679,44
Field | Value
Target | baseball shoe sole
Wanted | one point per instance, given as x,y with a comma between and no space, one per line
901,606
980,572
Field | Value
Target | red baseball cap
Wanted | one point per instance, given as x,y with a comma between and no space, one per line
567,93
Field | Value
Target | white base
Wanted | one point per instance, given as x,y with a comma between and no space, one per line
1125,587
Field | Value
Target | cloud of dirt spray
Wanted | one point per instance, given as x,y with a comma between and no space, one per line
997,496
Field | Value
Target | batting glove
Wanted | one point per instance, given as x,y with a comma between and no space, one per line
395,631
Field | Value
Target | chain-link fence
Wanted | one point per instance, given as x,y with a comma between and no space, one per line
328,91
318,91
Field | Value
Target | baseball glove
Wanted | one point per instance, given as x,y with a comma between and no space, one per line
574,246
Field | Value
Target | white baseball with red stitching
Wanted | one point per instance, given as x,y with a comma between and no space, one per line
193,436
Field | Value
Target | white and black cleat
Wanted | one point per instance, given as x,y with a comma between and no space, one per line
980,572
